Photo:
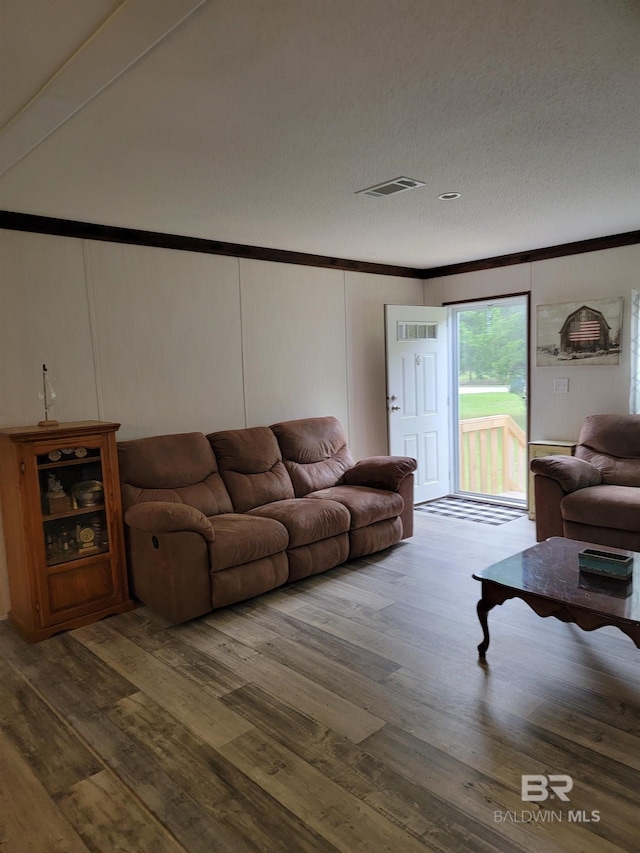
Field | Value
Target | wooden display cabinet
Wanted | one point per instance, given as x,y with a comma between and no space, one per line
62,519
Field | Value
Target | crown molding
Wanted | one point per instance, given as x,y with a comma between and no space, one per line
133,236
595,244
112,234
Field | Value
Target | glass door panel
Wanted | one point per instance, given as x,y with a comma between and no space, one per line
74,520
491,368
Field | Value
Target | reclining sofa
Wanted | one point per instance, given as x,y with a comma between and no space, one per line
212,520
593,496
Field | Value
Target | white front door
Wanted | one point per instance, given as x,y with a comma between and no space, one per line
418,393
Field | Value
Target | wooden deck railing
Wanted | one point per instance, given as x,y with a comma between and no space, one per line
493,455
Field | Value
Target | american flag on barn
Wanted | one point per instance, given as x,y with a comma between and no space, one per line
585,330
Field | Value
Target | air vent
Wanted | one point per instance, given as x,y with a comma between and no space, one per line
397,185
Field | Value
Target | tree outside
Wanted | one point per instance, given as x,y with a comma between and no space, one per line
493,347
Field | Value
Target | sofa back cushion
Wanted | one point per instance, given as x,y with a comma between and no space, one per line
612,444
315,452
178,468
251,466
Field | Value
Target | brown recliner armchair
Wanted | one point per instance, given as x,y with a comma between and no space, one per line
593,496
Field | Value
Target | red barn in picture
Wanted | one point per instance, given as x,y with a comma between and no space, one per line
585,330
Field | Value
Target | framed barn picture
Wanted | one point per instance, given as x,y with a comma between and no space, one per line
579,333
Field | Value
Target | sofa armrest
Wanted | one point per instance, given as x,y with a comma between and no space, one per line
548,497
380,472
570,473
159,517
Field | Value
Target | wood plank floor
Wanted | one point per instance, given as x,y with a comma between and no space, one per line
346,712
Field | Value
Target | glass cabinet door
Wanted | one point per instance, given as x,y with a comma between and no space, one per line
74,518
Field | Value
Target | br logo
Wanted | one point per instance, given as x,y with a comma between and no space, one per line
536,788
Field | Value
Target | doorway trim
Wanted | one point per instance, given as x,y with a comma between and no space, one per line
454,399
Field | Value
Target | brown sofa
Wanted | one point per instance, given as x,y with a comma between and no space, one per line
593,496
211,520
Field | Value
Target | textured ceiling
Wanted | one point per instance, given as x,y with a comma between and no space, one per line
255,121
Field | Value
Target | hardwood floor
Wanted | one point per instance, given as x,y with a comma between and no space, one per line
346,712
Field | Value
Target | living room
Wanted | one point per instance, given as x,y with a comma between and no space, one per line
167,338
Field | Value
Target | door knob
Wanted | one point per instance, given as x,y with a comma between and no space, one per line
395,408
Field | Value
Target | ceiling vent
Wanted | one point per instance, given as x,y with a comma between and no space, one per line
397,185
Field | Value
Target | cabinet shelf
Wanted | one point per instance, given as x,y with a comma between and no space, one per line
65,463
71,513
74,556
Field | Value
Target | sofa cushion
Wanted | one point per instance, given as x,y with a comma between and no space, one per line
241,582
617,435
614,470
365,505
612,444
177,468
243,538
318,557
315,452
251,466
374,537
306,522
603,506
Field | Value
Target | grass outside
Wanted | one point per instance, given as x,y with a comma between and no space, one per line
493,403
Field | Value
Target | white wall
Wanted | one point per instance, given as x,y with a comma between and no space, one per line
293,342
165,341
575,278
168,345
44,318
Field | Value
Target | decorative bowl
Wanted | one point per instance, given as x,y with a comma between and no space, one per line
88,493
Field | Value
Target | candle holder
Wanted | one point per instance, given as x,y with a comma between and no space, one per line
47,395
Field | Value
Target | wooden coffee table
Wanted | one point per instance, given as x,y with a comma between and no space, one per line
548,579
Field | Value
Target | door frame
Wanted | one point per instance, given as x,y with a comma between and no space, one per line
453,400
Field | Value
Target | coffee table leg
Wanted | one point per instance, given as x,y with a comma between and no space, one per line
484,606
